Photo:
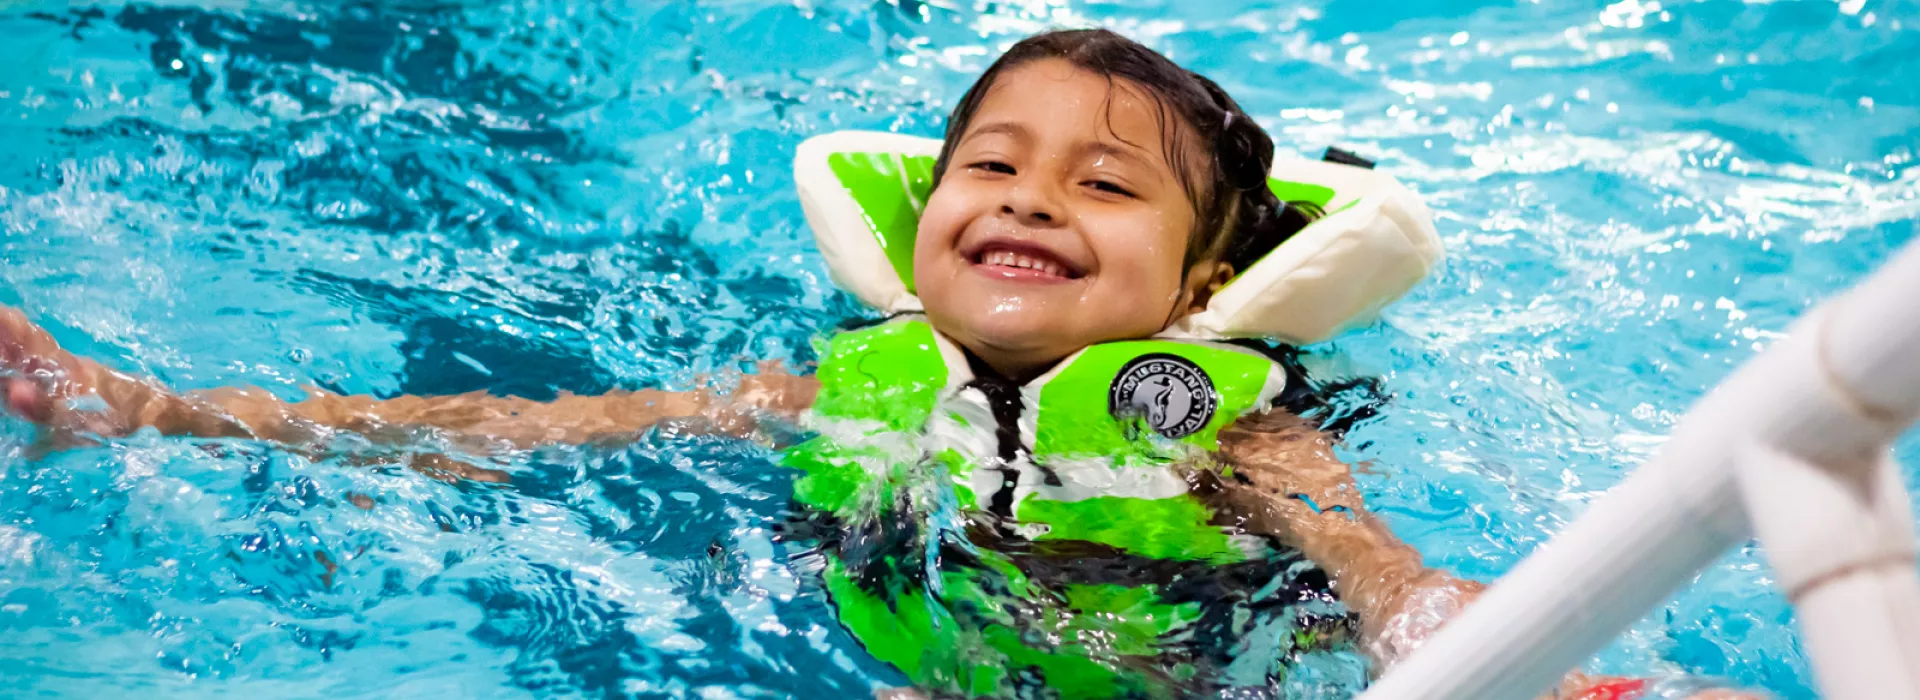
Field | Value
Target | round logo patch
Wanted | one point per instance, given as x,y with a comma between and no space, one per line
1172,393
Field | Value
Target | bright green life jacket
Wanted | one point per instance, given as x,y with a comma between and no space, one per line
1099,438
1089,460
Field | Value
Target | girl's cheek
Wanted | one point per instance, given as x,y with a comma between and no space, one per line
939,226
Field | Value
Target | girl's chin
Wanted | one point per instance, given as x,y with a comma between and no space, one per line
1012,332
1025,325
1014,323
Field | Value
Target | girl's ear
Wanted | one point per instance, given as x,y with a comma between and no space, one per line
1203,280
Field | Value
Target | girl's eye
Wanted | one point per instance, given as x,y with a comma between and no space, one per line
1110,188
993,166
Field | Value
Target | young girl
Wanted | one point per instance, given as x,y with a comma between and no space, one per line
1089,192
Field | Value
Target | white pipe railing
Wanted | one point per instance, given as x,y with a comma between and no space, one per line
1792,448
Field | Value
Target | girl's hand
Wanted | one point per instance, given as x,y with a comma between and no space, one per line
46,385
1413,611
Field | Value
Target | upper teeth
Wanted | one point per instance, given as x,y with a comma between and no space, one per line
1012,259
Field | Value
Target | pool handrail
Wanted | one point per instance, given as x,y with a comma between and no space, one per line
1793,448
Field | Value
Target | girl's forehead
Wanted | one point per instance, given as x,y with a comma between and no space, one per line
1061,102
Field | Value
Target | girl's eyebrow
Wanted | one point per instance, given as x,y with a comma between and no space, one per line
1102,149
1018,131
1131,155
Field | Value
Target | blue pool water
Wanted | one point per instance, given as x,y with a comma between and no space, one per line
535,196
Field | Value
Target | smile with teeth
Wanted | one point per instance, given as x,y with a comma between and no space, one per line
1008,258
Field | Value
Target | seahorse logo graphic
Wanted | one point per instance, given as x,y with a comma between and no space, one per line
1172,393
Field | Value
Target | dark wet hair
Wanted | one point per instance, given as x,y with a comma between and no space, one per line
1238,219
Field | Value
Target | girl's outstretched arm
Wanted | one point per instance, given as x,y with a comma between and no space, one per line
1286,482
53,387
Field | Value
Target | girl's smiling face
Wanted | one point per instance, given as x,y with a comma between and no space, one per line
1059,222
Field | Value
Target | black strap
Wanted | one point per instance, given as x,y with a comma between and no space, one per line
1336,154
1003,398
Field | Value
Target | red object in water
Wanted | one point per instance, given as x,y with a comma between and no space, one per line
1617,690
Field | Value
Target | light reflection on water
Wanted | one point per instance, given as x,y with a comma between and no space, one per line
533,197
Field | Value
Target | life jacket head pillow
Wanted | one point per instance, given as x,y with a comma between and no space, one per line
863,193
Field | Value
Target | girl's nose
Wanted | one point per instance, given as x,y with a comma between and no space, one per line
1032,205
